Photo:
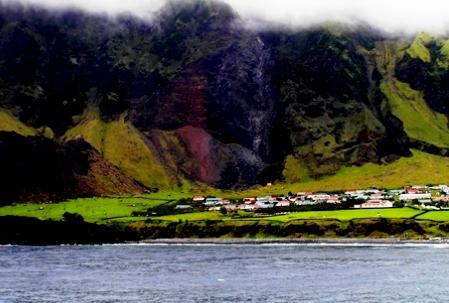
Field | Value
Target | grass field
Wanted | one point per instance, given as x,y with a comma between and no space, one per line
342,215
197,216
119,209
92,209
346,215
435,216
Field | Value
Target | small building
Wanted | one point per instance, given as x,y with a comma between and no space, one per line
417,196
212,201
249,200
376,196
248,207
180,206
264,202
333,201
319,197
307,202
396,192
413,191
292,199
441,199
284,203
263,199
375,204
230,207
223,202
198,198
445,189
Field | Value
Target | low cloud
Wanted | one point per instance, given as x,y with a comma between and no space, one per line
390,15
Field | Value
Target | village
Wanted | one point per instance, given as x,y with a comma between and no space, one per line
418,196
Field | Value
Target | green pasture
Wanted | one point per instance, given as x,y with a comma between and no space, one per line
346,215
92,209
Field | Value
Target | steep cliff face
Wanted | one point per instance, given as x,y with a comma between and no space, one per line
195,97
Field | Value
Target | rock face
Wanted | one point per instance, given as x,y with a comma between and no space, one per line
195,97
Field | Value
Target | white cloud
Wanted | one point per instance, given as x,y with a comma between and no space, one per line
389,15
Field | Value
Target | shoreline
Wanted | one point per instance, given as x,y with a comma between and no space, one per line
328,241
33,231
344,242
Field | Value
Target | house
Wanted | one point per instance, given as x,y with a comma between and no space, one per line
302,195
180,206
292,199
283,203
413,191
445,189
264,202
248,207
307,202
417,196
198,198
249,200
230,207
223,202
263,199
212,201
375,204
441,199
378,196
395,192
319,197
334,200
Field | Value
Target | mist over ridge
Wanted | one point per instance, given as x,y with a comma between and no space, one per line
398,16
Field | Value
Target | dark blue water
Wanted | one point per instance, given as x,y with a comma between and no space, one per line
225,273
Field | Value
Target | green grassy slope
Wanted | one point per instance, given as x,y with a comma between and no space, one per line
421,168
418,47
120,143
92,209
420,122
10,123
343,215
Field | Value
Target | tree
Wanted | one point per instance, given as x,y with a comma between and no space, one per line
223,210
73,217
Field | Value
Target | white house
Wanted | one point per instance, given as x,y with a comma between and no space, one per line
198,198
410,197
212,201
375,204
264,202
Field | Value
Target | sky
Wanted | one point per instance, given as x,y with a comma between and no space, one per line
390,15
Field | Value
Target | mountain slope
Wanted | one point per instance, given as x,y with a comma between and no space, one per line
121,144
194,97
41,169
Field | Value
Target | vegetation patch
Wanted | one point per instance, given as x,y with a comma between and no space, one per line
120,143
92,209
434,216
420,121
345,215
10,123
418,47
